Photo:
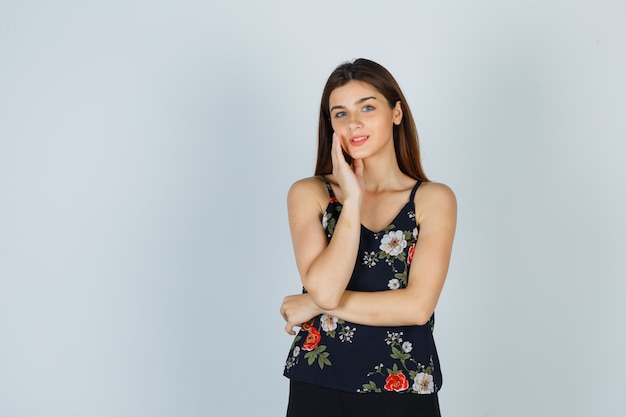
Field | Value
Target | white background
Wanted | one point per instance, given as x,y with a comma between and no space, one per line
146,149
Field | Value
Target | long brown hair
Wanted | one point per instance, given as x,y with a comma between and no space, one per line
405,138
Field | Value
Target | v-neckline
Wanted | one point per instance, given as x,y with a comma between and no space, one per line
388,224
333,199
400,211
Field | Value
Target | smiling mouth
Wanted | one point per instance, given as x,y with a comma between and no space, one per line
357,139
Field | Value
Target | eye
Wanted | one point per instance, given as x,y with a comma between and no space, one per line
368,108
340,114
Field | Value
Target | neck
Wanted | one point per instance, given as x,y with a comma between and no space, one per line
382,175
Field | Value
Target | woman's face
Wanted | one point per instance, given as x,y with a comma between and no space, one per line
362,118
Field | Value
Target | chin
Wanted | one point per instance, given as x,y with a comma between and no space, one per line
358,154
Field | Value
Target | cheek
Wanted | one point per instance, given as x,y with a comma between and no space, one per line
343,140
342,130
337,124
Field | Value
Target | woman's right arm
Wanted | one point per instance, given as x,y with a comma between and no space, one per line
325,268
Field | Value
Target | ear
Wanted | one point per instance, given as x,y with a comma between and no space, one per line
397,113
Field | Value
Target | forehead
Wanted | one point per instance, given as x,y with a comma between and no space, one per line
351,92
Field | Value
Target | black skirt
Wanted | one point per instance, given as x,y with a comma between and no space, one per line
308,400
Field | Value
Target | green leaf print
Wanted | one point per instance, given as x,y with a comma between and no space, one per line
394,370
322,360
398,354
319,355
371,387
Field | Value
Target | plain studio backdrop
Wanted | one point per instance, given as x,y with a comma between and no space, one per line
146,149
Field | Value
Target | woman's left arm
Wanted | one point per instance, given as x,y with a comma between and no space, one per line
414,305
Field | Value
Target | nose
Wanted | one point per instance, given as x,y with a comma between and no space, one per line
355,122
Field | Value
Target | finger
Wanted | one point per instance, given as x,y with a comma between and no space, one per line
357,166
333,149
337,148
337,154
289,329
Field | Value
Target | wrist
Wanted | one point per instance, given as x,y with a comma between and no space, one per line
351,205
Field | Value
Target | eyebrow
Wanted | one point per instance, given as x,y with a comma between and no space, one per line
359,101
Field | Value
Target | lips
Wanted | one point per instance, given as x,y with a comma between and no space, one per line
358,140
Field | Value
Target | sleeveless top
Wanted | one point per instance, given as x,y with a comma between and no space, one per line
338,354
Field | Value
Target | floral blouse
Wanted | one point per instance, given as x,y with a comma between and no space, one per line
338,354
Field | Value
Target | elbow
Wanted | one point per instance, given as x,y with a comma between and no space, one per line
324,300
327,303
328,306
419,309
325,296
422,320
421,317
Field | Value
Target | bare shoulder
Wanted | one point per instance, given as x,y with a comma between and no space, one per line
309,191
434,198
435,190
311,186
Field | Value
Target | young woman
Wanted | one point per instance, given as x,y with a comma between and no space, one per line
372,238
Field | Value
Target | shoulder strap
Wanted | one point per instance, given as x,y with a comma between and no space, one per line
328,187
414,190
